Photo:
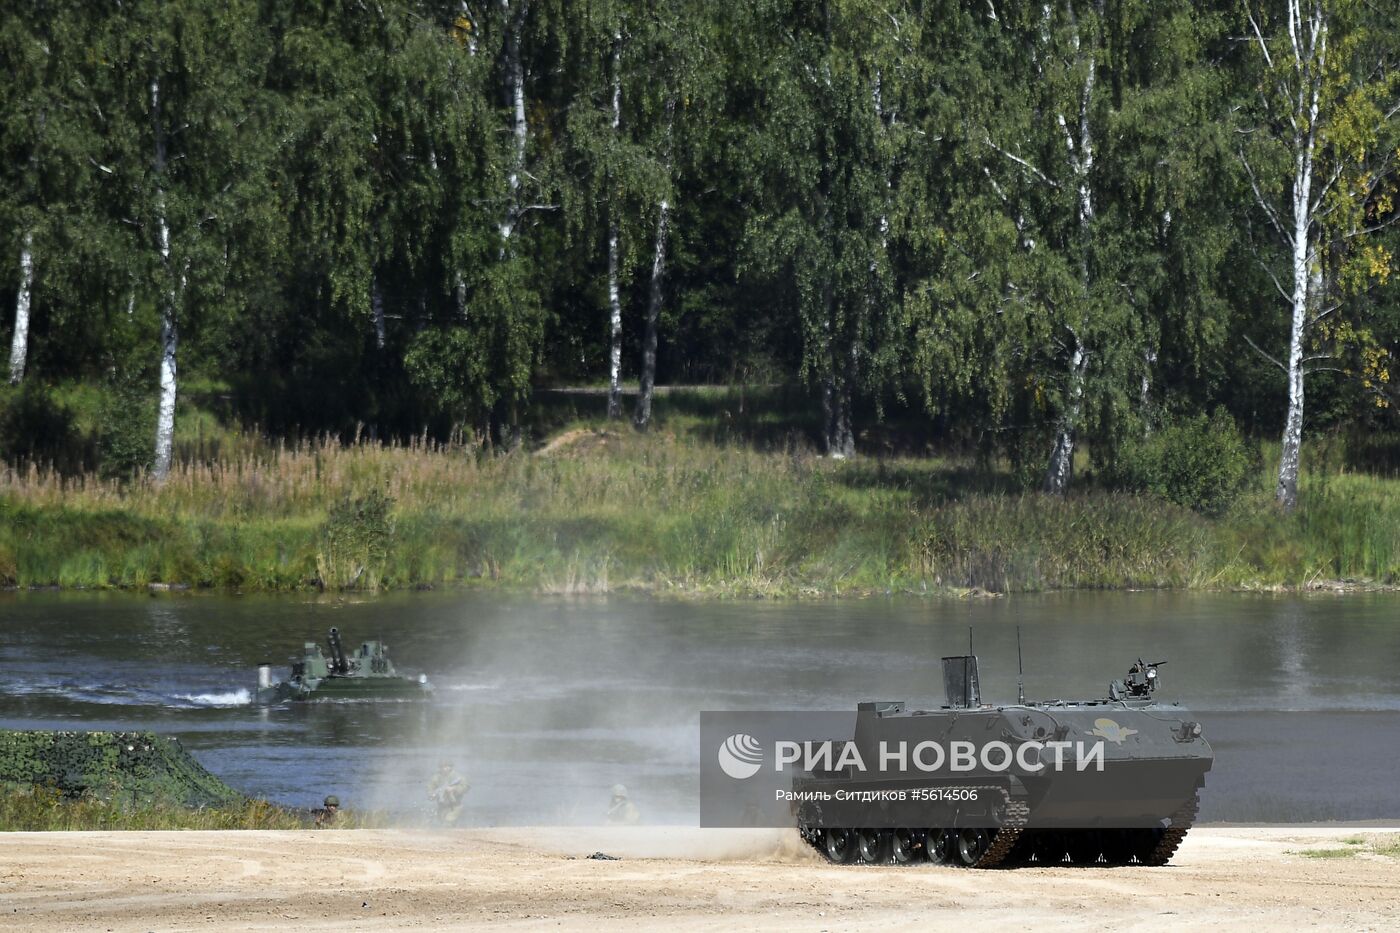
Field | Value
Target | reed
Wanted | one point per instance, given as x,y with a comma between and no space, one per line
40,809
603,510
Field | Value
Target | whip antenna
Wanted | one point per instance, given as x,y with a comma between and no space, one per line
1020,671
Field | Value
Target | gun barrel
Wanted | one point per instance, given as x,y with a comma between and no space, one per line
337,652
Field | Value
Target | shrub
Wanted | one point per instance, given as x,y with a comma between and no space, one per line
1032,542
1202,463
126,437
355,542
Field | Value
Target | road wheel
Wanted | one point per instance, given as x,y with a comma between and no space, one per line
940,845
874,846
904,846
972,844
840,846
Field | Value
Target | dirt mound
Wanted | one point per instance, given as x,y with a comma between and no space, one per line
578,441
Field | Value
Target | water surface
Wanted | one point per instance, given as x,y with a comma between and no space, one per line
545,703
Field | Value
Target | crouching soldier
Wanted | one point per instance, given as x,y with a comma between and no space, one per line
326,814
622,811
446,791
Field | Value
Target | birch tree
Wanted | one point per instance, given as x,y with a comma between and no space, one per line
820,227
178,94
1318,145
512,20
632,64
604,161
477,359
1084,110
338,184
679,88
19,341
1171,167
45,141
1043,146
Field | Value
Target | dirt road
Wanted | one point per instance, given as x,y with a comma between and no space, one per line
665,878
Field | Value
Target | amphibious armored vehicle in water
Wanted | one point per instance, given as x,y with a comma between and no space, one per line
1124,789
368,674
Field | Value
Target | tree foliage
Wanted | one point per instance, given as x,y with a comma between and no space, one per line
1022,227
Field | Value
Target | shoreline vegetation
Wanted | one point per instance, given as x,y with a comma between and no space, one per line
84,780
686,510
44,809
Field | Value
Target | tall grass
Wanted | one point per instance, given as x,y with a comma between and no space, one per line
617,510
42,809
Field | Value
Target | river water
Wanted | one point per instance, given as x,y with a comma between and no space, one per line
545,703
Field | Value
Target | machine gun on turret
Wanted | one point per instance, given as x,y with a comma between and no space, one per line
1141,681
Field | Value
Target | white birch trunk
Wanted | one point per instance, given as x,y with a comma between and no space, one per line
614,330
19,343
1081,158
520,135
169,328
466,14
1304,250
836,406
1291,448
165,416
642,417
836,401
614,290
1149,360
515,100
376,307
1061,471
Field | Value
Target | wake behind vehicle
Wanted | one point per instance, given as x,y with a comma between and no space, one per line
1134,805
368,674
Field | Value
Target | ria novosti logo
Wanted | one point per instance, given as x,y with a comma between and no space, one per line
740,756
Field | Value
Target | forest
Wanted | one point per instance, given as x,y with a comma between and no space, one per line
1146,244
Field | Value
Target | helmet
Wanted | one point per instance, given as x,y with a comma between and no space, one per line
619,791
332,801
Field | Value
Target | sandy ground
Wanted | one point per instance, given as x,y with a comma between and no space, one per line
665,878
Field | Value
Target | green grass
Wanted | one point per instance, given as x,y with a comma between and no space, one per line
1327,853
1387,846
724,498
42,809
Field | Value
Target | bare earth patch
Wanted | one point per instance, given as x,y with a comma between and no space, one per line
664,878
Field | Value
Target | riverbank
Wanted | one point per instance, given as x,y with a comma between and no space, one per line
44,809
669,877
599,511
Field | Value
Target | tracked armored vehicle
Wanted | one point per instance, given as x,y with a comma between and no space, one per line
1124,788
368,674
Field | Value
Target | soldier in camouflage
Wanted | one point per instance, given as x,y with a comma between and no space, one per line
326,814
622,811
446,790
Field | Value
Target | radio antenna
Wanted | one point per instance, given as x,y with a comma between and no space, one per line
1020,671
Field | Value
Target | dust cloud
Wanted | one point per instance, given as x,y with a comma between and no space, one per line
542,712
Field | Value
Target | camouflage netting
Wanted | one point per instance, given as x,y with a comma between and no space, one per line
134,767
